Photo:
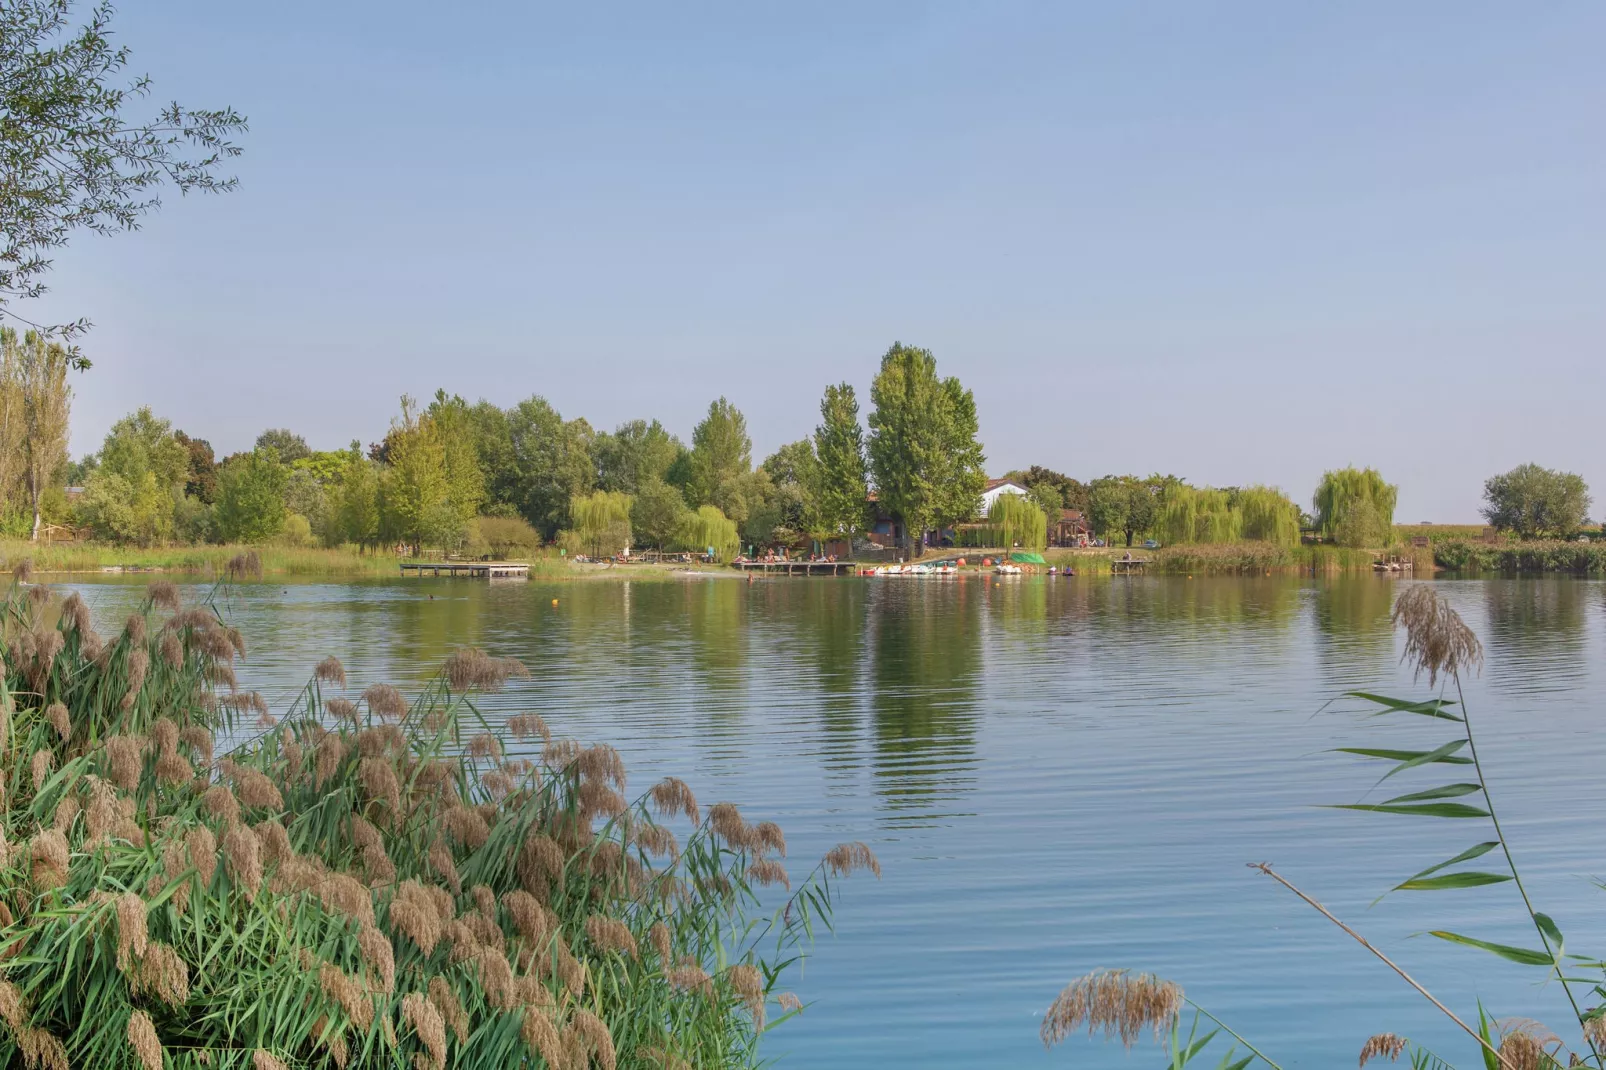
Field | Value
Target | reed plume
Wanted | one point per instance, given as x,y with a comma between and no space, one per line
767,871
540,1035
143,1039
262,1059
594,1035
242,858
528,726
330,671
133,936
472,669
1383,1046
451,1009
844,858
384,701
60,720
611,934
162,973
1436,639
1119,1002
428,1024
671,796
748,984
163,594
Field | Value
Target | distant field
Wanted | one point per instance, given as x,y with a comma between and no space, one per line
1438,532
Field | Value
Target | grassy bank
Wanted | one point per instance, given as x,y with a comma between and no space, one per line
201,560
1242,558
1579,558
342,563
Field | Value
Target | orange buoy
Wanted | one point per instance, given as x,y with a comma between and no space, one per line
554,601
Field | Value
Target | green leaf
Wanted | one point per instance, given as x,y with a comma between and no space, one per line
1421,810
1465,879
1447,791
1431,708
1551,931
1435,755
1506,951
1403,755
1475,851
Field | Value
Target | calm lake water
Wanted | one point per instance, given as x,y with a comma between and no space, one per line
1057,775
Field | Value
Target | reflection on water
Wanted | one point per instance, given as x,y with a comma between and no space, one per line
1058,775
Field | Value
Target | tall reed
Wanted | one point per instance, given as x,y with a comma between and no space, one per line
187,880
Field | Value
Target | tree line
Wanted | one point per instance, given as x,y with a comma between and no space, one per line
473,477
476,478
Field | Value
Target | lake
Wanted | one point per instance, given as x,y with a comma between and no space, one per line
1057,775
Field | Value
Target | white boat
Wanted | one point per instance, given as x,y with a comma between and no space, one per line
1007,570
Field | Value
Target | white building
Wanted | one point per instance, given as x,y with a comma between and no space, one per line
994,488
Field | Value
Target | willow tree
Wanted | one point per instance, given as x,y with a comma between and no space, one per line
1198,515
1268,515
601,521
1019,522
709,530
1360,497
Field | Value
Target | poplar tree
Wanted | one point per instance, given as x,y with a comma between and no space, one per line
841,484
721,453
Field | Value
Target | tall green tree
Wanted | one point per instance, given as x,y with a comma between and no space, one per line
923,450
285,443
493,446
1127,506
1346,489
77,154
842,480
250,497
458,430
201,481
1072,492
1536,502
657,513
416,498
633,453
789,509
551,463
721,453
34,404
356,500
132,493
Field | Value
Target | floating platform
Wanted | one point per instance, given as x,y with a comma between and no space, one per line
799,568
490,570
1127,566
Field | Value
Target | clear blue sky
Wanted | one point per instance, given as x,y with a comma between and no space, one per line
1237,242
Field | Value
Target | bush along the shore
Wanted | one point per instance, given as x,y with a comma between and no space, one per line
1588,558
370,882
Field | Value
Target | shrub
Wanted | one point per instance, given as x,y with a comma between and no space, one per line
508,536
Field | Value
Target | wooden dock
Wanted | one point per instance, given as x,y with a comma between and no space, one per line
799,568
1128,566
491,570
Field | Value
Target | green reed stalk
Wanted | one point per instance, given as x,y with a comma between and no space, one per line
1516,874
